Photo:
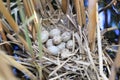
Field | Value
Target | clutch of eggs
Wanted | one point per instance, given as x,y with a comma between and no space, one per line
57,42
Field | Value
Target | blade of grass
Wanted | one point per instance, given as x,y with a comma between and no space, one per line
39,45
39,39
36,22
38,30
22,15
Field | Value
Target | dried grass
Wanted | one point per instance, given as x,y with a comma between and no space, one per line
83,62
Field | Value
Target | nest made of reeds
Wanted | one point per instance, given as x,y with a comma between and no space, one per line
85,60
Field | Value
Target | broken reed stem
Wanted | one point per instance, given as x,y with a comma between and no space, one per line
92,23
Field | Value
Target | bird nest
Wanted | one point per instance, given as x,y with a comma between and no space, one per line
56,47
74,62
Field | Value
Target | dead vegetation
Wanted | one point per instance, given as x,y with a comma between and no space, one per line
87,60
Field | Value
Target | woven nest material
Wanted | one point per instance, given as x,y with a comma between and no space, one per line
79,64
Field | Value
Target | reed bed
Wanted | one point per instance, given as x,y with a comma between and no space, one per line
21,24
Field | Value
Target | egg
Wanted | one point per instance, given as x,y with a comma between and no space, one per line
61,46
49,43
53,50
44,36
54,32
57,39
43,29
69,44
66,36
65,53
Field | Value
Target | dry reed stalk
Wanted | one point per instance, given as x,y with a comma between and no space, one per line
29,14
109,60
78,12
108,29
27,9
8,17
7,47
12,23
58,77
37,5
5,69
4,27
83,12
9,36
87,49
10,61
23,42
64,6
99,44
37,30
92,23
14,40
31,6
8,5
